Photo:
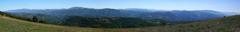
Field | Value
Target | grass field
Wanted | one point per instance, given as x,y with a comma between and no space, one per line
230,24
14,25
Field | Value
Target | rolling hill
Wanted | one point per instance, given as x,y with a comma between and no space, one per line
53,15
112,18
8,24
227,24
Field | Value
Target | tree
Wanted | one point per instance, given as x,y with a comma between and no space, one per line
2,13
35,19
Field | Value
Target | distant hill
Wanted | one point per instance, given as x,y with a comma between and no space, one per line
61,16
175,15
226,24
112,22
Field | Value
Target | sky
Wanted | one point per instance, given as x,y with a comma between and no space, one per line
218,5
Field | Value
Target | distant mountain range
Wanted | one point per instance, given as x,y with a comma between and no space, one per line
175,15
60,15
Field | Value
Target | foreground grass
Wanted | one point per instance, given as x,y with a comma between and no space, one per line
14,25
229,24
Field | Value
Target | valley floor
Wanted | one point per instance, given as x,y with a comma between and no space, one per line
230,24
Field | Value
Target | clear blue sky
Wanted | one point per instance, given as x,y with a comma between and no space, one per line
220,5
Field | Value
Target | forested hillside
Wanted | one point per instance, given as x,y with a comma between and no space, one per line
227,24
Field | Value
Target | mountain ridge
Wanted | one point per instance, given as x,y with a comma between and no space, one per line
227,24
60,16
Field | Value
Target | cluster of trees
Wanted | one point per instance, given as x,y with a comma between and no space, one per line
2,13
112,22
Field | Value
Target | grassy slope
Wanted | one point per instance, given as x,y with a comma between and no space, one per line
229,24
14,25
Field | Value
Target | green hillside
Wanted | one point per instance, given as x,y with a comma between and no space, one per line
14,25
228,24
